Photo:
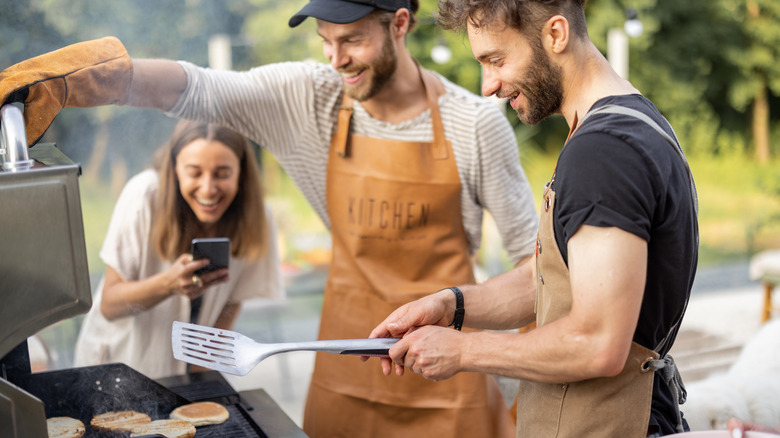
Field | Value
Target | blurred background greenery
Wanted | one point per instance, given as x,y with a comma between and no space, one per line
709,65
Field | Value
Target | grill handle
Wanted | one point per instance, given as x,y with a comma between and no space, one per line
14,140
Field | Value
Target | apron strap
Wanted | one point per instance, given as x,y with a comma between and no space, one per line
339,141
618,109
440,150
671,376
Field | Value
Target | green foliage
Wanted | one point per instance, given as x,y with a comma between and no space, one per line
148,29
462,68
272,40
703,63
756,58
24,33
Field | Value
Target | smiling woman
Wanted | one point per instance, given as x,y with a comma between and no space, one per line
208,173
205,184
209,187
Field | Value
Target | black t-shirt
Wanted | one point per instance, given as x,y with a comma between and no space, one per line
617,171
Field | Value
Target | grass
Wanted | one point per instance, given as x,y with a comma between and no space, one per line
739,210
739,207
97,205
739,203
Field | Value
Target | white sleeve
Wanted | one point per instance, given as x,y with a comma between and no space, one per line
128,232
275,105
504,189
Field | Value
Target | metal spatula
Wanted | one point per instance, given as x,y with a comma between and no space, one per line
234,353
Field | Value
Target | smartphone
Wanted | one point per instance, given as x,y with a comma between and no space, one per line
217,250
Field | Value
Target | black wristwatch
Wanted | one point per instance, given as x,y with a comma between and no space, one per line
460,312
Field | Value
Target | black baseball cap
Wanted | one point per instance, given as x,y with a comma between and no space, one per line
344,11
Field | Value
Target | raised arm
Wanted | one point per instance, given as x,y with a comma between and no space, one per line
157,83
88,74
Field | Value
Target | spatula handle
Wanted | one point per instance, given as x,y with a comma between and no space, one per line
378,352
360,347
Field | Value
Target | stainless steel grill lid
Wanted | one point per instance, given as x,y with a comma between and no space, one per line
44,277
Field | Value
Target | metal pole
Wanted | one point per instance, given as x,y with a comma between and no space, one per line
617,51
220,52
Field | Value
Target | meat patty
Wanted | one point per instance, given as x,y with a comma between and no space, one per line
119,421
201,413
167,428
64,427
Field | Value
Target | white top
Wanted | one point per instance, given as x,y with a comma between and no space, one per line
291,109
143,341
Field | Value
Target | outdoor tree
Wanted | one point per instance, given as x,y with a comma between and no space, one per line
114,141
756,57
710,66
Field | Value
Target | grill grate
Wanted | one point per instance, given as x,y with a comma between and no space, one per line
207,390
237,426
83,392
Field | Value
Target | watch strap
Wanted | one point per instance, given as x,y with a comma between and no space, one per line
460,312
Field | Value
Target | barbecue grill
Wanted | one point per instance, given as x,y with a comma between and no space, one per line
44,278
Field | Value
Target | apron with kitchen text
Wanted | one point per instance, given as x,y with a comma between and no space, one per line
397,232
601,407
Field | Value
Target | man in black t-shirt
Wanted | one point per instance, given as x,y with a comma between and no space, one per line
642,186
616,254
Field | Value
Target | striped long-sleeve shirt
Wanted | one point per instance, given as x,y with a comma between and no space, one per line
291,110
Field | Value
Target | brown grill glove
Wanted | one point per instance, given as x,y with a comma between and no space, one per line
87,74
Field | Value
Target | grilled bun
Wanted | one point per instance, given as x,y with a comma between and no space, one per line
64,427
201,413
119,421
166,428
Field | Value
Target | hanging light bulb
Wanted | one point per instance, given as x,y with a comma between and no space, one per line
441,53
633,25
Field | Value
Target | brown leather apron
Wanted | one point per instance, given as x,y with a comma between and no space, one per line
397,231
602,407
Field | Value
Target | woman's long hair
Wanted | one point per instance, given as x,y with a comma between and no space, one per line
244,221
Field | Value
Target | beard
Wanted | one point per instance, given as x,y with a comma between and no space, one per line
541,88
382,70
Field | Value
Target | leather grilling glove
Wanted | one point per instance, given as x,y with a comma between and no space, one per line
87,74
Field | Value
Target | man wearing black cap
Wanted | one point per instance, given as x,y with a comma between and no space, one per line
345,11
397,161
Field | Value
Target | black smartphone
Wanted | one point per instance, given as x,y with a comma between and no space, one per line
217,250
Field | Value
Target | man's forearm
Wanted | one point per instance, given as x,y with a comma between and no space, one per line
504,302
157,83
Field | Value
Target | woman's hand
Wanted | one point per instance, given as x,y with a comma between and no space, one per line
124,298
182,279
